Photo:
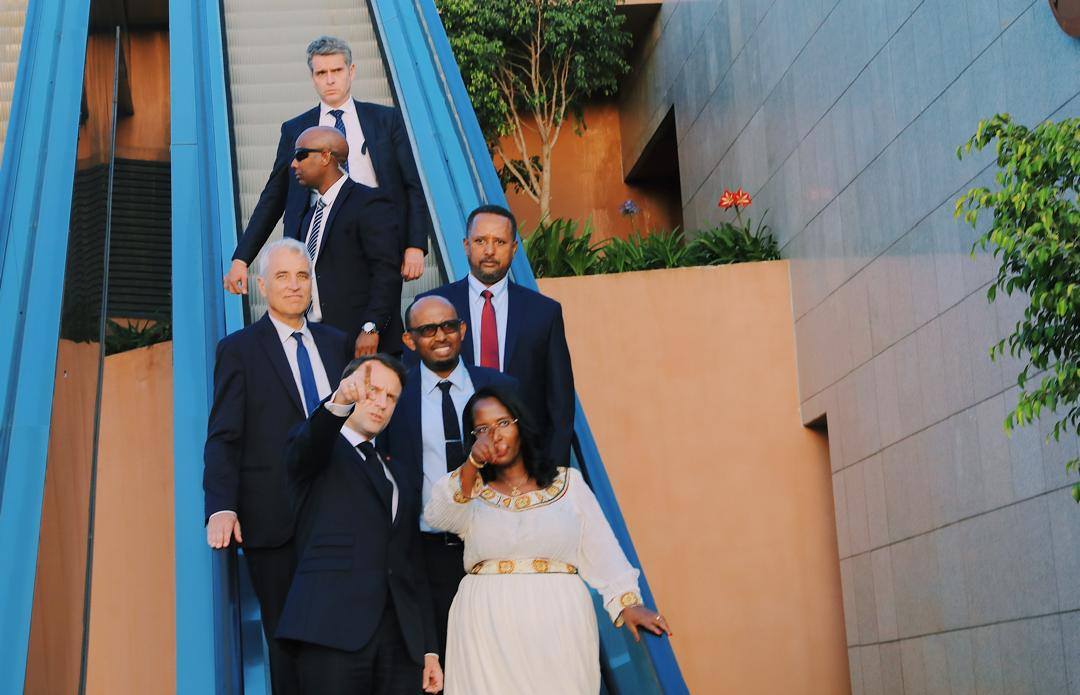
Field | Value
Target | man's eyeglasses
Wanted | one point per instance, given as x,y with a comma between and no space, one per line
428,330
301,153
499,425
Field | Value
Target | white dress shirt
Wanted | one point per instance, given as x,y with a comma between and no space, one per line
355,439
361,170
322,383
314,312
431,424
500,300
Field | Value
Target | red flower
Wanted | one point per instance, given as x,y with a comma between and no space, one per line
727,200
742,198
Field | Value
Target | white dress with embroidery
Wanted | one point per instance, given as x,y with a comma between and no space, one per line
530,633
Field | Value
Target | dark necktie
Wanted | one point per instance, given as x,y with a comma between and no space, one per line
455,450
307,375
386,490
489,334
340,125
316,230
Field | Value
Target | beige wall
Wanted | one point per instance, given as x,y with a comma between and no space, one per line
688,380
132,618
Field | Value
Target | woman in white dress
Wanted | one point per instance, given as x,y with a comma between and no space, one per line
522,620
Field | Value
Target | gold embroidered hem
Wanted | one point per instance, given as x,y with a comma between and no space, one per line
536,565
459,494
527,500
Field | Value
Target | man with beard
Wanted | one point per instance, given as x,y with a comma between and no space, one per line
425,433
515,330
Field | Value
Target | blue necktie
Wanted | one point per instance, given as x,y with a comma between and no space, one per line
307,375
340,125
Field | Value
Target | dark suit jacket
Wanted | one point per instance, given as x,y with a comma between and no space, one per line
403,438
351,558
256,403
391,156
359,265
536,355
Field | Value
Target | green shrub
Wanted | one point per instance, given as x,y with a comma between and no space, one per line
729,243
135,334
556,249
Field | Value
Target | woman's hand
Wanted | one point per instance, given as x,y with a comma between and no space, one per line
635,617
483,450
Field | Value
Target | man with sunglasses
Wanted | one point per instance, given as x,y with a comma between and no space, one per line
380,156
350,236
425,433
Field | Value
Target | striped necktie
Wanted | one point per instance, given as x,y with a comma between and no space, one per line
316,230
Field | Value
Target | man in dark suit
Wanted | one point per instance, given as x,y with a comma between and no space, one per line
515,330
349,234
267,378
425,433
380,156
359,609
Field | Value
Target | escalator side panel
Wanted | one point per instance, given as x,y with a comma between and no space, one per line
35,207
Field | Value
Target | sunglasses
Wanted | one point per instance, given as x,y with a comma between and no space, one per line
428,330
301,153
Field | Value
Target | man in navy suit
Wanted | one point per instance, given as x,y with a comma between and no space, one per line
425,433
267,378
349,234
380,156
359,609
515,330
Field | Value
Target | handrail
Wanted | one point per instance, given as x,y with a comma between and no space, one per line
458,175
208,655
36,183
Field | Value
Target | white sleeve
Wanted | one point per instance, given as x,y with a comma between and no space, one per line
601,560
448,509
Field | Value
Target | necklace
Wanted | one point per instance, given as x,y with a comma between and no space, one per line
515,490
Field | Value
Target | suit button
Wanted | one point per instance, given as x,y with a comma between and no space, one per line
390,572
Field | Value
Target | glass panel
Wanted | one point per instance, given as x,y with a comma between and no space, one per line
103,608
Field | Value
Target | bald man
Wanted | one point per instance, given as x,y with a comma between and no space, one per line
351,234
425,434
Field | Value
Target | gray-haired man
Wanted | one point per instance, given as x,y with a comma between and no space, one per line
379,157
267,378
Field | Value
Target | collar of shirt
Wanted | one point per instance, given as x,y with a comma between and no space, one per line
476,287
429,380
348,107
285,331
331,194
354,438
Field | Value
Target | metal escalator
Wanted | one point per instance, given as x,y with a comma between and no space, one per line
250,55
269,83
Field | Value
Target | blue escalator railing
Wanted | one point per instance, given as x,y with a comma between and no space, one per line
459,175
35,209
208,653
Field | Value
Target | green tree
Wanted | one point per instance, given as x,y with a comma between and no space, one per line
528,65
1035,233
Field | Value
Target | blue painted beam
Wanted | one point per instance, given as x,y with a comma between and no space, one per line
207,620
35,210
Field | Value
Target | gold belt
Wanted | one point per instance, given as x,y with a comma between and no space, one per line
536,565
